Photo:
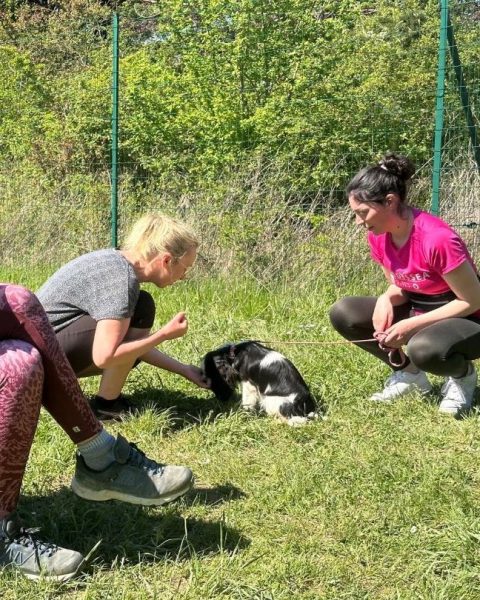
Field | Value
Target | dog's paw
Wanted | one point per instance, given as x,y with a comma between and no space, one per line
301,421
297,421
250,408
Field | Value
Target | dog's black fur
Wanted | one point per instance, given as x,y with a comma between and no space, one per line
269,380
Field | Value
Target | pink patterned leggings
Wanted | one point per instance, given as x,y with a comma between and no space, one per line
33,372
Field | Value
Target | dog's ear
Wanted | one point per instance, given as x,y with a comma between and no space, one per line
219,386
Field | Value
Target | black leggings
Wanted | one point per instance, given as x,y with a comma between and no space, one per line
443,348
76,339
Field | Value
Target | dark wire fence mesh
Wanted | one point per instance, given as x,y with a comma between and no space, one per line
54,199
246,119
460,180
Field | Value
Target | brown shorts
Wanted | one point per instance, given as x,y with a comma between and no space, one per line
76,339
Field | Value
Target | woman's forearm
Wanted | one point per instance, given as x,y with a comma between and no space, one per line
129,351
158,359
455,308
111,349
190,372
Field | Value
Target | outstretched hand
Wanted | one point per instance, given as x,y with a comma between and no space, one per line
196,376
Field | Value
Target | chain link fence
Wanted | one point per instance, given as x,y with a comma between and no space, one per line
246,119
459,189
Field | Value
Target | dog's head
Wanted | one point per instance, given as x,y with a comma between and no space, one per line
218,367
221,367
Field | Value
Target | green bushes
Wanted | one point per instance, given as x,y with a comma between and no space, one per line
245,117
206,88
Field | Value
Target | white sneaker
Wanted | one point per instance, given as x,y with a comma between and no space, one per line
457,394
401,383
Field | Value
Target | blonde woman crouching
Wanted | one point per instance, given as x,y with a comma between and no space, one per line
103,319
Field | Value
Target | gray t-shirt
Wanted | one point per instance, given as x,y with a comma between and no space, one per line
101,284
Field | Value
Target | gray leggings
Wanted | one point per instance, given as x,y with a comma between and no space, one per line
443,348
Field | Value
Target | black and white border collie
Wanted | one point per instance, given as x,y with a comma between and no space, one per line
269,381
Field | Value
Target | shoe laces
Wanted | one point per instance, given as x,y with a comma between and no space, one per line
397,377
28,538
139,459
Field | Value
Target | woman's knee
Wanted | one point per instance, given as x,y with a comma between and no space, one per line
347,313
339,312
427,353
21,364
21,301
144,314
424,353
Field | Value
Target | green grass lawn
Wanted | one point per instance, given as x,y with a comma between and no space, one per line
375,501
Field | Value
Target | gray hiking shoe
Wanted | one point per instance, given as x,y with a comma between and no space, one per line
132,477
21,549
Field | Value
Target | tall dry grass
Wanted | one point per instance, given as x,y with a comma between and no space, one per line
249,226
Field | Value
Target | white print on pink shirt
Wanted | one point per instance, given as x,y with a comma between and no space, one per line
409,280
432,250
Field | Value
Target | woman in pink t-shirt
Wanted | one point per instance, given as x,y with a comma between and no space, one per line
432,305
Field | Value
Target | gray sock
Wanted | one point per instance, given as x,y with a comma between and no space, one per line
98,451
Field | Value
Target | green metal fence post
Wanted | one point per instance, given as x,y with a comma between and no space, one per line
439,108
463,90
114,166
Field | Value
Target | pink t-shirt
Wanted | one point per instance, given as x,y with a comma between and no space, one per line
432,250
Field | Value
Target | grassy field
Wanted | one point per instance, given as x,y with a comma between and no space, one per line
373,502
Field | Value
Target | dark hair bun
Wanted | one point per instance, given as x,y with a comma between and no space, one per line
398,165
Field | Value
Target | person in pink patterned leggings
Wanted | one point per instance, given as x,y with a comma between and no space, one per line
34,372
